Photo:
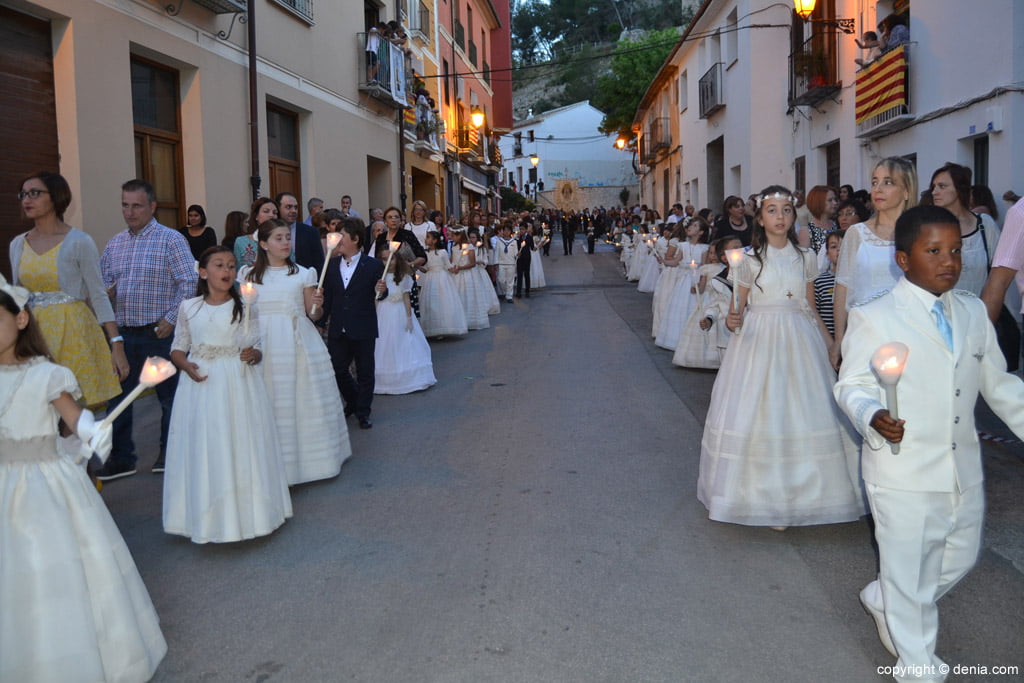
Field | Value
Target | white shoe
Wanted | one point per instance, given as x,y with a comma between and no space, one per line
879,616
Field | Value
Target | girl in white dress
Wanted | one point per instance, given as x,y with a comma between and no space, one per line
537,280
670,272
775,451
704,338
297,369
652,264
867,263
639,255
441,311
475,299
402,354
225,479
483,260
682,299
74,607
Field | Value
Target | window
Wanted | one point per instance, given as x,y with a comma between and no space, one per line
800,174
283,151
447,92
158,137
730,43
832,164
300,8
529,136
683,85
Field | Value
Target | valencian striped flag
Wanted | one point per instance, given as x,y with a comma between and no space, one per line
410,113
882,85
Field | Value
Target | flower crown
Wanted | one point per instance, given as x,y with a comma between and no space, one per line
776,195
20,295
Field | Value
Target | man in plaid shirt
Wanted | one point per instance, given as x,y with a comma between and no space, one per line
148,271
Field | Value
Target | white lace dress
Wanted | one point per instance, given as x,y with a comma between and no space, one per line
483,256
866,264
680,302
776,451
297,371
72,604
402,358
225,479
475,299
699,348
537,280
652,267
441,311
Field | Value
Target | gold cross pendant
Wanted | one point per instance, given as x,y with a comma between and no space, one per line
789,295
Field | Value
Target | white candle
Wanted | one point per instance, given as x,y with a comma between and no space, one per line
735,256
154,371
333,238
394,247
888,363
249,295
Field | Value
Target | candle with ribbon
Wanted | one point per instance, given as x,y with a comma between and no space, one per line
394,246
333,238
154,371
696,283
888,363
735,257
249,295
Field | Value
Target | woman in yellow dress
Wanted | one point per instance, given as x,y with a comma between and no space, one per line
60,265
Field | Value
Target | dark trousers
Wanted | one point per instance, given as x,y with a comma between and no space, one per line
356,392
567,240
522,274
547,248
138,345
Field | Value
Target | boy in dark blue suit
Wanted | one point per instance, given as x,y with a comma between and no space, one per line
351,288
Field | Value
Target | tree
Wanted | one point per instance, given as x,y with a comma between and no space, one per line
633,66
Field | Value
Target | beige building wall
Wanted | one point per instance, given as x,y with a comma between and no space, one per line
312,70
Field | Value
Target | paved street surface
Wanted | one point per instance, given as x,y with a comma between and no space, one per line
533,518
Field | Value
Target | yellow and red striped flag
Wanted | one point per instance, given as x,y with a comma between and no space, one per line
882,85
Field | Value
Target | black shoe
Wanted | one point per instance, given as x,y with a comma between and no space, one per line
364,423
158,466
115,470
349,412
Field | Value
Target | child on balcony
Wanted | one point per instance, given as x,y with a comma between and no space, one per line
872,45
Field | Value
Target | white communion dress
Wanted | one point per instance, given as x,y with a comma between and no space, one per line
72,604
297,371
483,256
776,451
441,311
401,358
682,299
475,299
225,479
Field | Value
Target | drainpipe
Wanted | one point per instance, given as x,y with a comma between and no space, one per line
254,113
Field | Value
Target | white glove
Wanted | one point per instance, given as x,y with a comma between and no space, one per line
95,439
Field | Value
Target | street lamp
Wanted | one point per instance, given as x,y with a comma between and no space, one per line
620,143
534,159
476,117
805,8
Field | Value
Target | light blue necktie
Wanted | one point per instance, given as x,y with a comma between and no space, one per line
945,329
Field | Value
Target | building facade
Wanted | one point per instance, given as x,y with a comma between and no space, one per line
577,166
753,94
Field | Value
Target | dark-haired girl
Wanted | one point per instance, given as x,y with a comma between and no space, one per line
74,605
225,478
198,234
441,311
401,356
296,367
775,451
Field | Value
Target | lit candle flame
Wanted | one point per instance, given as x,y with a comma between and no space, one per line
249,292
333,238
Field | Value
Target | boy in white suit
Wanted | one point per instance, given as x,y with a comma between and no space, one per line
927,500
506,253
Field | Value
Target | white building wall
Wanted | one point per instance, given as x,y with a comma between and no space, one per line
958,53
569,146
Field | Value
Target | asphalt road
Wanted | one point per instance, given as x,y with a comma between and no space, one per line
533,518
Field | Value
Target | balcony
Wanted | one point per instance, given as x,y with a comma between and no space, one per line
883,95
711,96
472,52
469,144
300,8
660,134
222,6
421,24
382,70
814,71
424,126
460,35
